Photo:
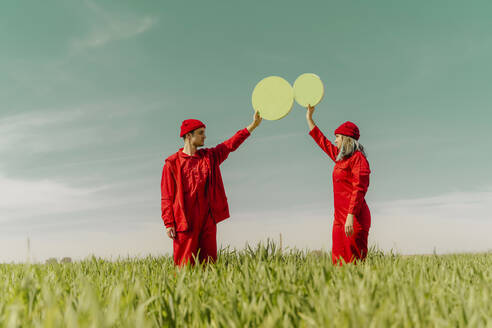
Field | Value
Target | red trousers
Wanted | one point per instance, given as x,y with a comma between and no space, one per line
199,242
350,248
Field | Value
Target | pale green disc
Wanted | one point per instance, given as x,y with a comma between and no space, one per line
273,97
308,90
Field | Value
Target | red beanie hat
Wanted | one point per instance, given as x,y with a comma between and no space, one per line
190,125
348,129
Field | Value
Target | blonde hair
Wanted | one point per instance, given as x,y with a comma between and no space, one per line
348,147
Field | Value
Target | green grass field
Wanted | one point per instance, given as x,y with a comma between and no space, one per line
256,287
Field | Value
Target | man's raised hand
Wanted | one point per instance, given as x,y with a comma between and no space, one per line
256,121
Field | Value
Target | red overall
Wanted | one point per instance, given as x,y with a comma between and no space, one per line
193,199
350,183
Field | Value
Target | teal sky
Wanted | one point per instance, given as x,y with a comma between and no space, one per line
92,95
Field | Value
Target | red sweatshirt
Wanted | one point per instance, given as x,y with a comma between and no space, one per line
172,184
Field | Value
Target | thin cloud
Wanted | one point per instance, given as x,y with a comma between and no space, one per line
111,27
48,131
22,130
21,198
453,222
455,205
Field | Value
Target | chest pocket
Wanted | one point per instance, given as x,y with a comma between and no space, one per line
195,177
342,172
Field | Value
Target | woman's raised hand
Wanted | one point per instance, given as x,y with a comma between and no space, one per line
309,112
309,117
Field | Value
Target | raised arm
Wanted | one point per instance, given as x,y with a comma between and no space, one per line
256,122
318,136
222,150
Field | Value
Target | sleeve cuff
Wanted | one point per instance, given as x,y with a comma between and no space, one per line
168,225
314,131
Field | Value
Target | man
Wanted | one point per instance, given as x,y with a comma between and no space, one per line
193,196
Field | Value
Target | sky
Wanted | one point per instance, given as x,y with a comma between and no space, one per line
92,94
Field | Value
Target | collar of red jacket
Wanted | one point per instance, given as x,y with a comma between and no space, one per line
184,155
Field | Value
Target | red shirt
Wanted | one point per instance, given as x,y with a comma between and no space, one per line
350,182
185,180
195,174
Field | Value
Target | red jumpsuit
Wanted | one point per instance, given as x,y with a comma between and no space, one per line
193,199
350,183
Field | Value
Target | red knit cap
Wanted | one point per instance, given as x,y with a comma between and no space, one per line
348,129
190,125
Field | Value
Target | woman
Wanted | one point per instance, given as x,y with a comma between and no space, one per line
350,183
